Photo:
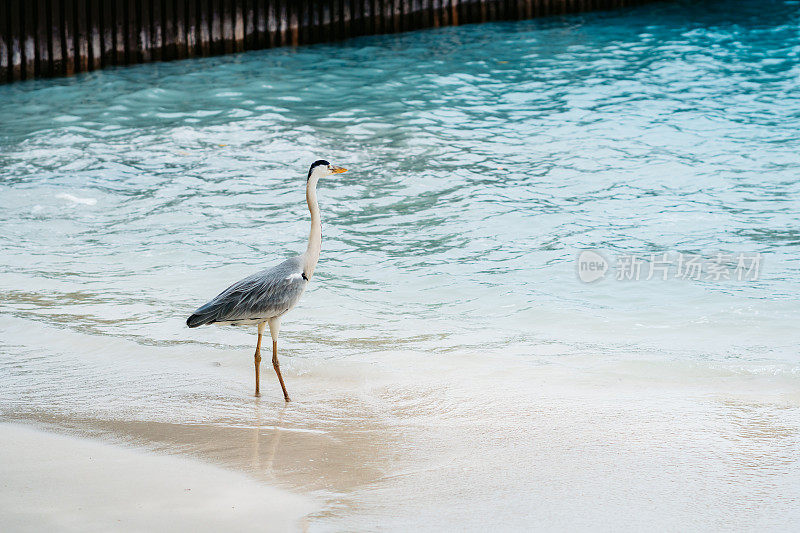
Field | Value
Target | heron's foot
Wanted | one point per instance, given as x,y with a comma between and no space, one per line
258,394
287,399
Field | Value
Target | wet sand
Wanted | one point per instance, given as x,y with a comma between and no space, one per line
425,441
60,483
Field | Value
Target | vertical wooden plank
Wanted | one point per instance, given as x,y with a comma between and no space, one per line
292,9
305,21
132,33
352,8
367,25
170,48
359,22
249,25
406,15
15,47
204,28
491,9
260,24
344,20
68,25
336,20
56,39
180,29
191,28
4,49
501,9
445,13
387,24
156,24
95,48
397,15
238,26
325,21
372,13
329,20
377,16
215,19
81,37
145,39
272,23
262,38
346,17
436,9
418,10
42,37
227,26
387,20
28,40
315,23
107,24
119,32
424,15
283,23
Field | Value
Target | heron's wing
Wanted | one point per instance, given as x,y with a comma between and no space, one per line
265,294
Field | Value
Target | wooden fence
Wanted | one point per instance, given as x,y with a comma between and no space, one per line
44,38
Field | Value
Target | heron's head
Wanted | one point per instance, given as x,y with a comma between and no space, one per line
322,168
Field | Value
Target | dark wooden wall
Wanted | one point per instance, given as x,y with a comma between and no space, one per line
44,38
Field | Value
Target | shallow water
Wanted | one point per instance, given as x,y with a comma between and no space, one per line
447,362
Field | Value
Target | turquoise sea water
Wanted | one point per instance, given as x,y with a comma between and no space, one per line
483,159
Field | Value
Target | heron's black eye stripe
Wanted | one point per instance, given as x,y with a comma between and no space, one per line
305,277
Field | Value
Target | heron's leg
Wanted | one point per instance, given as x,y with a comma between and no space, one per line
277,368
257,357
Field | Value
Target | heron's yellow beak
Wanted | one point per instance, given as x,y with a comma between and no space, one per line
338,170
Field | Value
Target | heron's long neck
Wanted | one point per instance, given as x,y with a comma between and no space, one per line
315,237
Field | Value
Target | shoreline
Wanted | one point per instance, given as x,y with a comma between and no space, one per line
53,481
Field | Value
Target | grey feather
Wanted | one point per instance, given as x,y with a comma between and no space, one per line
266,294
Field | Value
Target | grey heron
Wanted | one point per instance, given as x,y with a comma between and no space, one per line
266,296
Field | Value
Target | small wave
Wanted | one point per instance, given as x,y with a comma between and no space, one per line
76,199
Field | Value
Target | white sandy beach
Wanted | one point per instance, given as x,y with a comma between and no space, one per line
52,482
